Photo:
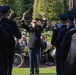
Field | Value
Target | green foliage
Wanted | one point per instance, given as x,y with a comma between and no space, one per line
19,6
35,13
74,3
50,7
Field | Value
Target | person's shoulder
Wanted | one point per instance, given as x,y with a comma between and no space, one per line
11,20
55,30
5,24
63,30
67,34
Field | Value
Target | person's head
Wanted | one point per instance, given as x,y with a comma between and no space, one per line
70,15
5,10
63,18
23,37
34,22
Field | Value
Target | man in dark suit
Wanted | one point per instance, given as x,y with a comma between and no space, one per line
16,33
34,44
59,40
65,45
4,45
4,36
63,19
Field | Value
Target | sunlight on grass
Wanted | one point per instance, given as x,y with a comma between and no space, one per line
25,71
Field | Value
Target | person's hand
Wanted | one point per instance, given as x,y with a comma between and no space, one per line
25,22
24,15
43,14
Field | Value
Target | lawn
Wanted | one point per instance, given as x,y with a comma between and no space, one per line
43,71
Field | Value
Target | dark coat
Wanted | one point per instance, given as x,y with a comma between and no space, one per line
15,29
3,38
61,35
56,33
65,45
34,35
4,46
70,68
4,35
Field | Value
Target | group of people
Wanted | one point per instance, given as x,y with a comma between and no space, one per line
8,31
63,39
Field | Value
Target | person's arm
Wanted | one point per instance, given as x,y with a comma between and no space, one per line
44,21
66,42
58,40
26,27
16,30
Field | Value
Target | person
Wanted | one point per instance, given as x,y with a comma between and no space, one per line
34,43
24,32
47,29
66,44
16,33
56,32
3,39
59,40
17,46
4,45
43,45
23,16
54,25
50,56
23,43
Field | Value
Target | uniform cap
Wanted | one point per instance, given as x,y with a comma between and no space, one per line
70,15
63,16
34,21
5,9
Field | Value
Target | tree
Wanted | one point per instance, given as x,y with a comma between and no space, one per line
21,6
74,3
66,6
35,10
51,8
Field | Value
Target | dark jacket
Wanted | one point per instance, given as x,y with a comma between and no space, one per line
9,31
3,38
4,45
61,35
65,45
14,28
34,35
4,35
55,34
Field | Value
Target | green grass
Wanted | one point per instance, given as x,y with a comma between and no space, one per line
25,71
